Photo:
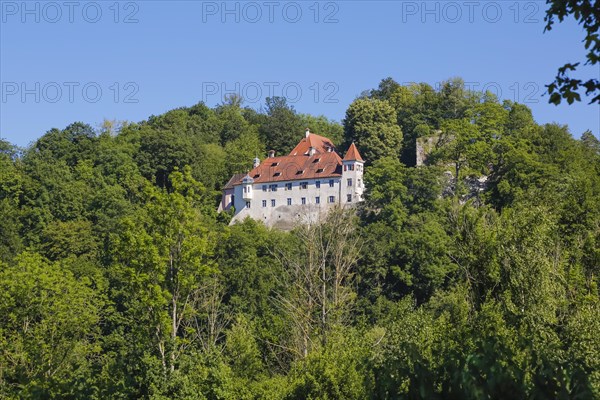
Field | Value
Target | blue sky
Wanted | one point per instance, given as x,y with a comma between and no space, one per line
62,62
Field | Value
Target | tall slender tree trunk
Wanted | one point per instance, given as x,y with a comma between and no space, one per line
173,314
174,332
161,349
323,305
456,178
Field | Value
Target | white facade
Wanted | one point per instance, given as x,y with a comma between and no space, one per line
278,204
275,193
353,180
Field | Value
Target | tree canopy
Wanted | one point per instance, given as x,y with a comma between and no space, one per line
473,275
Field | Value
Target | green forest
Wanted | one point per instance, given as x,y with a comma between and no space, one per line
119,279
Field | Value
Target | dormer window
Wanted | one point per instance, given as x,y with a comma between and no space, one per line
274,164
317,160
300,172
277,174
319,170
256,176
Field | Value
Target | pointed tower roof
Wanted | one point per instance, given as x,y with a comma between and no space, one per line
352,154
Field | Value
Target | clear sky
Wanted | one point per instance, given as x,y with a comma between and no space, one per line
69,61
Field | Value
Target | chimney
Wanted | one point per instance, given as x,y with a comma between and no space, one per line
256,162
311,151
307,132
271,153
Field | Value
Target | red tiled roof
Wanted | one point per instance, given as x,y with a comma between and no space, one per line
319,143
287,168
298,165
352,154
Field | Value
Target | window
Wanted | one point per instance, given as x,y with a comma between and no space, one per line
289,201
317,200
273,203
303,185
247,204
304,200
331,199
318,184
351,167
349,181
288,186
331,183
359,183
349,198
273,188
264,187
264,203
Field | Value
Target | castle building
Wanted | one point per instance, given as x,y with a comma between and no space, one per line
300,187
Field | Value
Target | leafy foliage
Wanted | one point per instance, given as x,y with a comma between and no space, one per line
471,276
586,13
